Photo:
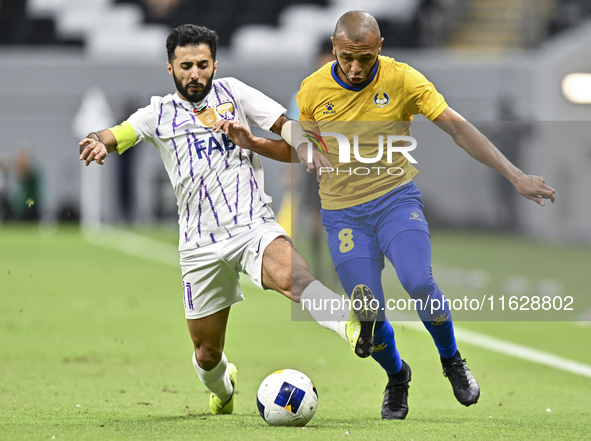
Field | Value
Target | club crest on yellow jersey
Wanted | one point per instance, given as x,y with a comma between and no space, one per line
381,99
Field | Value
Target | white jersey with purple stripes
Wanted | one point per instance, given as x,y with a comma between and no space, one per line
219,186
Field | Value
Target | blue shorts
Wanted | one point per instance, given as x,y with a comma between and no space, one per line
365,231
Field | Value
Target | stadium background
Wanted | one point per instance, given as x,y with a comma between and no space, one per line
483,55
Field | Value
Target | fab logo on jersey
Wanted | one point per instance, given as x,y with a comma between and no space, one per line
211,144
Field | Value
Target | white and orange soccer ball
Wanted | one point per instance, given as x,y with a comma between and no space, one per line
287,398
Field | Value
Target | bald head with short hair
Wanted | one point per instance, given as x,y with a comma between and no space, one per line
356,26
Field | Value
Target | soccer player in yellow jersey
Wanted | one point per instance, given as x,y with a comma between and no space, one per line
370,206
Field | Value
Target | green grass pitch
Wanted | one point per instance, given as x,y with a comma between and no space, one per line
93,345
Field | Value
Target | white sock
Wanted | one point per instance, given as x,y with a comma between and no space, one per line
328,309
216,380
342,327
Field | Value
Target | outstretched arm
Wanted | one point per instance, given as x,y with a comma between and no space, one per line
279,150
96,146
276,149
480,148
294,134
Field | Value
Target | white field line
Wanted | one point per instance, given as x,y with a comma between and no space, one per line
133,244
153,250
138,245
514,350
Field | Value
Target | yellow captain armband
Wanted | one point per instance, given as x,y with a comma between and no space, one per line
125,136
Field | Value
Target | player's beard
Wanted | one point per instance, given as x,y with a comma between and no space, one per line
194,97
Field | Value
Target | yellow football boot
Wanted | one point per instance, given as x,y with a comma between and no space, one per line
362,321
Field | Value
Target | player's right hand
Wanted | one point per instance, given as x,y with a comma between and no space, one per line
92,150
535,188
238,134
318,161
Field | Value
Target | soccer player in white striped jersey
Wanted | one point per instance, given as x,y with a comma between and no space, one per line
226,224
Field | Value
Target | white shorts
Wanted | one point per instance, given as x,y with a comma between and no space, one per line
210,274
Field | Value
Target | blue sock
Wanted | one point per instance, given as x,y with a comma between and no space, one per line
410,253
443,335
369,272
385,351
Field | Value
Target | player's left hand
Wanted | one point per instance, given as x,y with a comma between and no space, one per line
238,134
535,188
92,150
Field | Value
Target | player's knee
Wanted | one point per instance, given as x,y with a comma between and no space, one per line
208,357
418,287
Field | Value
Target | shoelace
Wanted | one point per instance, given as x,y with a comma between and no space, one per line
457,370
394,394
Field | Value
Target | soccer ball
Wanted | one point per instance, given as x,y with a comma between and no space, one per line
287,398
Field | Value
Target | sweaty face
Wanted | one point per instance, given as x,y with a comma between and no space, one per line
356,59
193,69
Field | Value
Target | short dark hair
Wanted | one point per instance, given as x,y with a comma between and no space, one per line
356,25
191,35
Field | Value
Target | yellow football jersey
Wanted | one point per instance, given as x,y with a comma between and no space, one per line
366,115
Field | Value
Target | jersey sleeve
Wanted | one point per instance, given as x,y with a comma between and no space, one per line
143,123
420,96
260,110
